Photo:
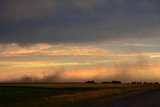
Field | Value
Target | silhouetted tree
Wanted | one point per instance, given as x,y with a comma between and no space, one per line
136,82
156,83
90,81
116,82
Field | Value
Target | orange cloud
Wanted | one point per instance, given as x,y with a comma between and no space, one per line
46,49
139,45
16,50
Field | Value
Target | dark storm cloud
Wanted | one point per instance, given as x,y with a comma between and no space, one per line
59,21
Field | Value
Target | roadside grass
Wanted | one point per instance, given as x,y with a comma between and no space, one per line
65,95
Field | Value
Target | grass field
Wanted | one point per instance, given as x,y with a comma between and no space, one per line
65,95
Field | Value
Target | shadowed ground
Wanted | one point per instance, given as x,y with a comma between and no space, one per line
78,95
145,99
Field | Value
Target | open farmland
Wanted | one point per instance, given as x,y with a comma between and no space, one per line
59,95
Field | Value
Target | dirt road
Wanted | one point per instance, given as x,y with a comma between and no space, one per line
145,99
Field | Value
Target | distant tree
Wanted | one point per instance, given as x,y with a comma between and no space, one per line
136,82
116,82
144,82
156,83
150,83
91,82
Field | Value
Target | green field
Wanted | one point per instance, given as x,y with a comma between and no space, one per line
65,95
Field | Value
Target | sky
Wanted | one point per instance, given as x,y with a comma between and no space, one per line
79,40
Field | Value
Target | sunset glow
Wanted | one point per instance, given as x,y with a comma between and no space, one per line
79,40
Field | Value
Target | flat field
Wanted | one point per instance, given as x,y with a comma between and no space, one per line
66,95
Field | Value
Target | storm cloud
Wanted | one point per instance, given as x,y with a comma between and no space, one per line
72,21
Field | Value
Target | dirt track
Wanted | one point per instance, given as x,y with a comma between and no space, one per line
145,99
